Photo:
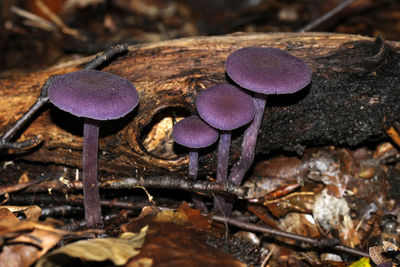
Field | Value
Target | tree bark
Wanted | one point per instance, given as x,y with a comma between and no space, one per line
354,93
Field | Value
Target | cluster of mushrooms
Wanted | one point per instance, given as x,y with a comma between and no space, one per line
226,107
96,96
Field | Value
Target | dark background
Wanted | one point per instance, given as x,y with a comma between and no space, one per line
33,37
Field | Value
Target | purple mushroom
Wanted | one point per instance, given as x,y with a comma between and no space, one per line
194,133
264,71
225,107
95,96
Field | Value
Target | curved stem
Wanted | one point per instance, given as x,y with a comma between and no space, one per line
240,168
91,197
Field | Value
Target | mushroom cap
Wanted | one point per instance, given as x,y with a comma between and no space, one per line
267,70
225,107
193,132
93,94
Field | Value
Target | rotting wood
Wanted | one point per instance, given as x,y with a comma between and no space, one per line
353,94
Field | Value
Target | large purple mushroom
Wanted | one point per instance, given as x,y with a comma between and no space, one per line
224,107
95,96
264,71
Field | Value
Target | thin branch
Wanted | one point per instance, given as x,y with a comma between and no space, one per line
26,144
59,22
41,22
278,233
17,187
165,182
106,56
172,182
40,102
326,16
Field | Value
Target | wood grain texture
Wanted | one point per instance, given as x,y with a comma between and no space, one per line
354,91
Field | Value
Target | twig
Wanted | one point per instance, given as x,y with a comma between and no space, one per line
26,144
39,21
274,232
106,56
17,187
40,102
58,21
326,16
172,182
267,257
64,204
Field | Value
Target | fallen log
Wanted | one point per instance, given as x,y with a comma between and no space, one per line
353,94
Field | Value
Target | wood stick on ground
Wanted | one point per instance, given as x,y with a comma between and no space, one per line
279,233
133,182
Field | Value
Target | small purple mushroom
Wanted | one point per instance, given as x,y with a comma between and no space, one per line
194,133
224,107
264,71
95,96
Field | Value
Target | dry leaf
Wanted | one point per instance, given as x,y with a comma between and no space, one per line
7,215
26,241
118,250
178,238
33,213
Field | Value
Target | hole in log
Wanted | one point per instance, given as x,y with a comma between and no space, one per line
156,138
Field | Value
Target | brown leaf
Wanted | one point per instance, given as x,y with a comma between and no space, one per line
194,217
118,250
33,213
26,242
176,239
7,215
295,202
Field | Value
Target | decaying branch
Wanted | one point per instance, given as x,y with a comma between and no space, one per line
65,185
353,94
278,233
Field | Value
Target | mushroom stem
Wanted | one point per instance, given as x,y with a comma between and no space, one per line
221,205
193,171
90,184
223,156
240,168
193,163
